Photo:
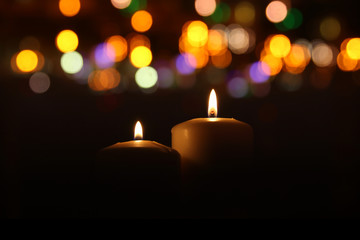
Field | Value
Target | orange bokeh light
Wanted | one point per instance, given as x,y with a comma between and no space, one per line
141,21
69,8
102,80
345,63
222,60
119,45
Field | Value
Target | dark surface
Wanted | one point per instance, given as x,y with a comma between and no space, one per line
306,146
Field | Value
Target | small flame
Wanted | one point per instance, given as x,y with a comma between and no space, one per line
138,132
212,109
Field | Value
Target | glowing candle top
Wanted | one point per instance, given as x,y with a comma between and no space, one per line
138,131
212,108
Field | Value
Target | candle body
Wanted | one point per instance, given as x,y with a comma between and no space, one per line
137,179
201,142
215,156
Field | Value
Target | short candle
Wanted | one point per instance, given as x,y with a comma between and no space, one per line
138,177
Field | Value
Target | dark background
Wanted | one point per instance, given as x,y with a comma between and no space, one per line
306,159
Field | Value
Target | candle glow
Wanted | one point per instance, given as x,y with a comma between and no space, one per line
212,108
138,132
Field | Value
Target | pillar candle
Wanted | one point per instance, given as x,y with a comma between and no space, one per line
138,178
214,152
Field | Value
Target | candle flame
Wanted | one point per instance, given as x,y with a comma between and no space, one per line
212,109
138,132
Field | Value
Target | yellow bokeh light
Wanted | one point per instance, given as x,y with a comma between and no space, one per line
26,61
141,21
279,45
197,33
276,11
217,42
345,63
275,64
119,46
222,60
245,13
67,41
353,48
330,28
69,8
205,7
141,56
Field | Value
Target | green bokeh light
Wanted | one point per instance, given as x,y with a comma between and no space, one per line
146,77
71,62
293,20
221,14
134,6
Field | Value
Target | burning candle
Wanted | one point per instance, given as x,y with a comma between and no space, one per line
137,178
202,142
214,153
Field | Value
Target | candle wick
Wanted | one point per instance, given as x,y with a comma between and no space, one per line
212,114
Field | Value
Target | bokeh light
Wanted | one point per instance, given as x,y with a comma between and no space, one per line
345,63
237,87
205,7
39,82
136,40
222,13
330,28
217,42
141,21
259,72
26,60
276,11
201,57
67,41
197,33
103,80
166,77
245,13
71,62
104,55
353,48
120,4
322,55
183,65
119,46
297,59
69,8
146,77
279,45
293,20
141,56
275,64
222,60
239,40
134,6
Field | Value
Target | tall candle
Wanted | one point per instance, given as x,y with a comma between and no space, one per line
214,151
138,178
